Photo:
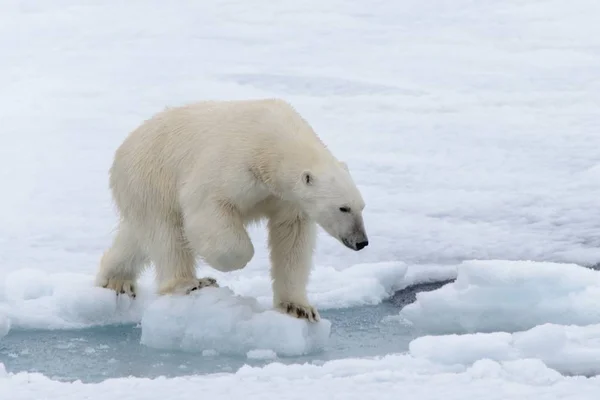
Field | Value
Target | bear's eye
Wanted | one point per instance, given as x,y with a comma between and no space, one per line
345,209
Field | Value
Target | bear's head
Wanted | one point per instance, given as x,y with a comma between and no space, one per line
328,194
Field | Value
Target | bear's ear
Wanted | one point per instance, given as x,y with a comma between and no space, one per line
308,178
344,165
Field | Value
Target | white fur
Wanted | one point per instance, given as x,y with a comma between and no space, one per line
190,179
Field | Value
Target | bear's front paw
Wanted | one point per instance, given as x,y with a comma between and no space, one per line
300,311
121,286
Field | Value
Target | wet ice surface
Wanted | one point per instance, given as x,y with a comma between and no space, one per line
97,353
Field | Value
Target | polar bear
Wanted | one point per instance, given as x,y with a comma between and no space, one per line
189,180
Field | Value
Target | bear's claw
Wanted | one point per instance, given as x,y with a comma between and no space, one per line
202,283
120,286
186,286
300,311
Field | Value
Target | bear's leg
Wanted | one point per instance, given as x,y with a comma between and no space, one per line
218,235
122,263
175,263
291,244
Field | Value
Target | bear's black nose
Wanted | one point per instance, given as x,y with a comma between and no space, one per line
362,245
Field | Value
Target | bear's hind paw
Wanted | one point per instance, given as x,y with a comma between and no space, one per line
187,286
202,283
307,312
120,286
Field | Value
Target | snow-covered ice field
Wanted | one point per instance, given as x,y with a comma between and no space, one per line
472,129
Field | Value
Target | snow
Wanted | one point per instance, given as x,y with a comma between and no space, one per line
35,299
353,379
470,127
494,295
38,300
356,285
215,319
571,350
